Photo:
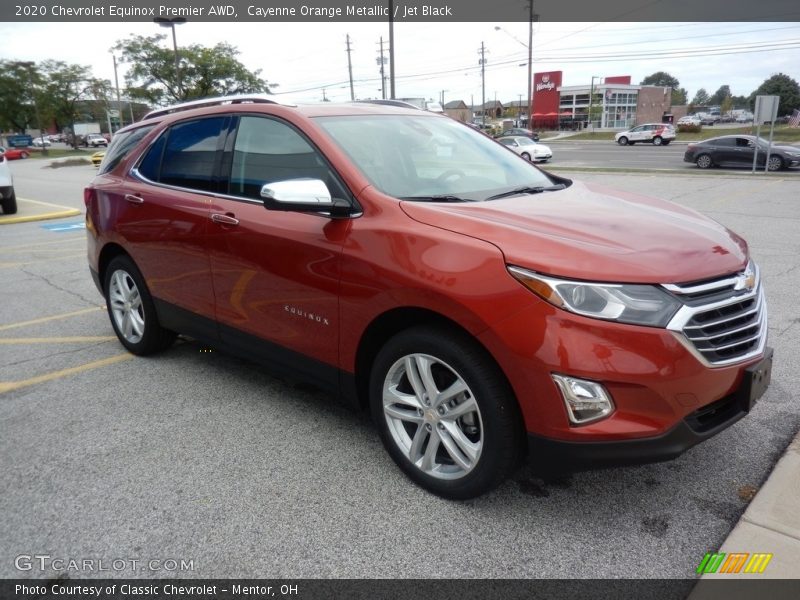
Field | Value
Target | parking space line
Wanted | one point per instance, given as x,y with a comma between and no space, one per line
9,386
57,340
74,313
22,247
8,265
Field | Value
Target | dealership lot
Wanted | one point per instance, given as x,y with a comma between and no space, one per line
196,456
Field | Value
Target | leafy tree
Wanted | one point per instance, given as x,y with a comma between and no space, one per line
679,96
19,82
783,86
726,105
701,97
723,92
203,71
65,87
661,78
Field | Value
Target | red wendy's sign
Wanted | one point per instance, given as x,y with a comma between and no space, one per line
545,93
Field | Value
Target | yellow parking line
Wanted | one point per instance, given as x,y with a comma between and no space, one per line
51,318
70,212
57,340
5,249
8,265
8,386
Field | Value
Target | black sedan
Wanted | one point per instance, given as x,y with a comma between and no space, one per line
737,151
519,131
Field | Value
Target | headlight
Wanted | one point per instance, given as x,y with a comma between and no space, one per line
626,303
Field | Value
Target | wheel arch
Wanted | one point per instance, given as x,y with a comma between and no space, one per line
109,252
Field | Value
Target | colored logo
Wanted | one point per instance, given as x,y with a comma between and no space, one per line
734,562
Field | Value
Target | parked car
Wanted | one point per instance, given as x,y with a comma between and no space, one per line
97,158
658,134
15,153
709,119
519,131
94,140
689,120
744,118
41,142
8,198
474,304
737,151
527,148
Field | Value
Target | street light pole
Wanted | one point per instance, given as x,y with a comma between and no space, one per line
116,87
591,100
171,23
530,62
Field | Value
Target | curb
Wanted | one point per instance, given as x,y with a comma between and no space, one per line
59,214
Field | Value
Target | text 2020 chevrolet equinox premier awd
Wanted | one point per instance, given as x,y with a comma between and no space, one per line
477,306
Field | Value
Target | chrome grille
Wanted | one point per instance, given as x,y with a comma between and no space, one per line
730,326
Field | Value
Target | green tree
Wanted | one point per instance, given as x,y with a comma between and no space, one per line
203,71
661,78
679,96
783,86
700,98
65,88
19,82
726,105
723,92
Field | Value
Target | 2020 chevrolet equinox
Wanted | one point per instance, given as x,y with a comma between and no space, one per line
480,308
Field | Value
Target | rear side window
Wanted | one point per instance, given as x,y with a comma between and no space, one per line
185,155
122,145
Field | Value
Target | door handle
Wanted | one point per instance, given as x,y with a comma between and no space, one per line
134,199
224,219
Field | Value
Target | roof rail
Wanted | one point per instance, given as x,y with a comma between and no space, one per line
387,102
217,101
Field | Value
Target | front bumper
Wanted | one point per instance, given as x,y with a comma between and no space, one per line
553,456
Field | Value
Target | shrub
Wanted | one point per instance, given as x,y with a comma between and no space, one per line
690,128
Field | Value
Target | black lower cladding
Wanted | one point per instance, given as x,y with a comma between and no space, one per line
278,360
551,456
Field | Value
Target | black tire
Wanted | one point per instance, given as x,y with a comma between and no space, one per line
657,141
10,204
665,142
494,426
775,163
526,156
623,141
123,274
704,161
23,155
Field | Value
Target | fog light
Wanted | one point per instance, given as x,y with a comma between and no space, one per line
586,401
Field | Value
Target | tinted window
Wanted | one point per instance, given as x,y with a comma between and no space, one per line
724,142
184,155
507,142
267,150
121,146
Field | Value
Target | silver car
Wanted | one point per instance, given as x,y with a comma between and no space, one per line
658,134
8,199
527,148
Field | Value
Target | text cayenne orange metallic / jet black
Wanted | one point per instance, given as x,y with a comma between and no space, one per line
477,306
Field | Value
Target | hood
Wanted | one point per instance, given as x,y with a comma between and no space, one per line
592,232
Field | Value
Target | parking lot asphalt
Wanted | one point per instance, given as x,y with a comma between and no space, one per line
198,456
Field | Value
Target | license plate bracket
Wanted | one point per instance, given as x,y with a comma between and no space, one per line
756,380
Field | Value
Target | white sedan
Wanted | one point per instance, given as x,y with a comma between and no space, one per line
527,148
41,142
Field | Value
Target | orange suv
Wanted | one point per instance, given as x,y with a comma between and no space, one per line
480,308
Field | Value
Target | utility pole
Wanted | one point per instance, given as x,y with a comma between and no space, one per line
324,97
382,62
519,112
441,101
116,87
391,47
482,63
350,70
530,62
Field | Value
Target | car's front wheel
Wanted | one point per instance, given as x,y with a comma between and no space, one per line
131,309
623,141
526,156
445,413
775,163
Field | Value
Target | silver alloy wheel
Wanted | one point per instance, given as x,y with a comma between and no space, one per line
775,163
704,161
433,416
657,141
126,306
623,141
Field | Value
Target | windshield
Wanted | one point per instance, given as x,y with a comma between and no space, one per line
427,157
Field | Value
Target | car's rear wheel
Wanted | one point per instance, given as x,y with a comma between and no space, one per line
623,141
131,309
24,155
657,141
526,156
775,163
704,161
9,204
445,413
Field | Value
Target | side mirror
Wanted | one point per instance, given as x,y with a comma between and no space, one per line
302,195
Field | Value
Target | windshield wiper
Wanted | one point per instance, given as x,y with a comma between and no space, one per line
439,198
528,190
